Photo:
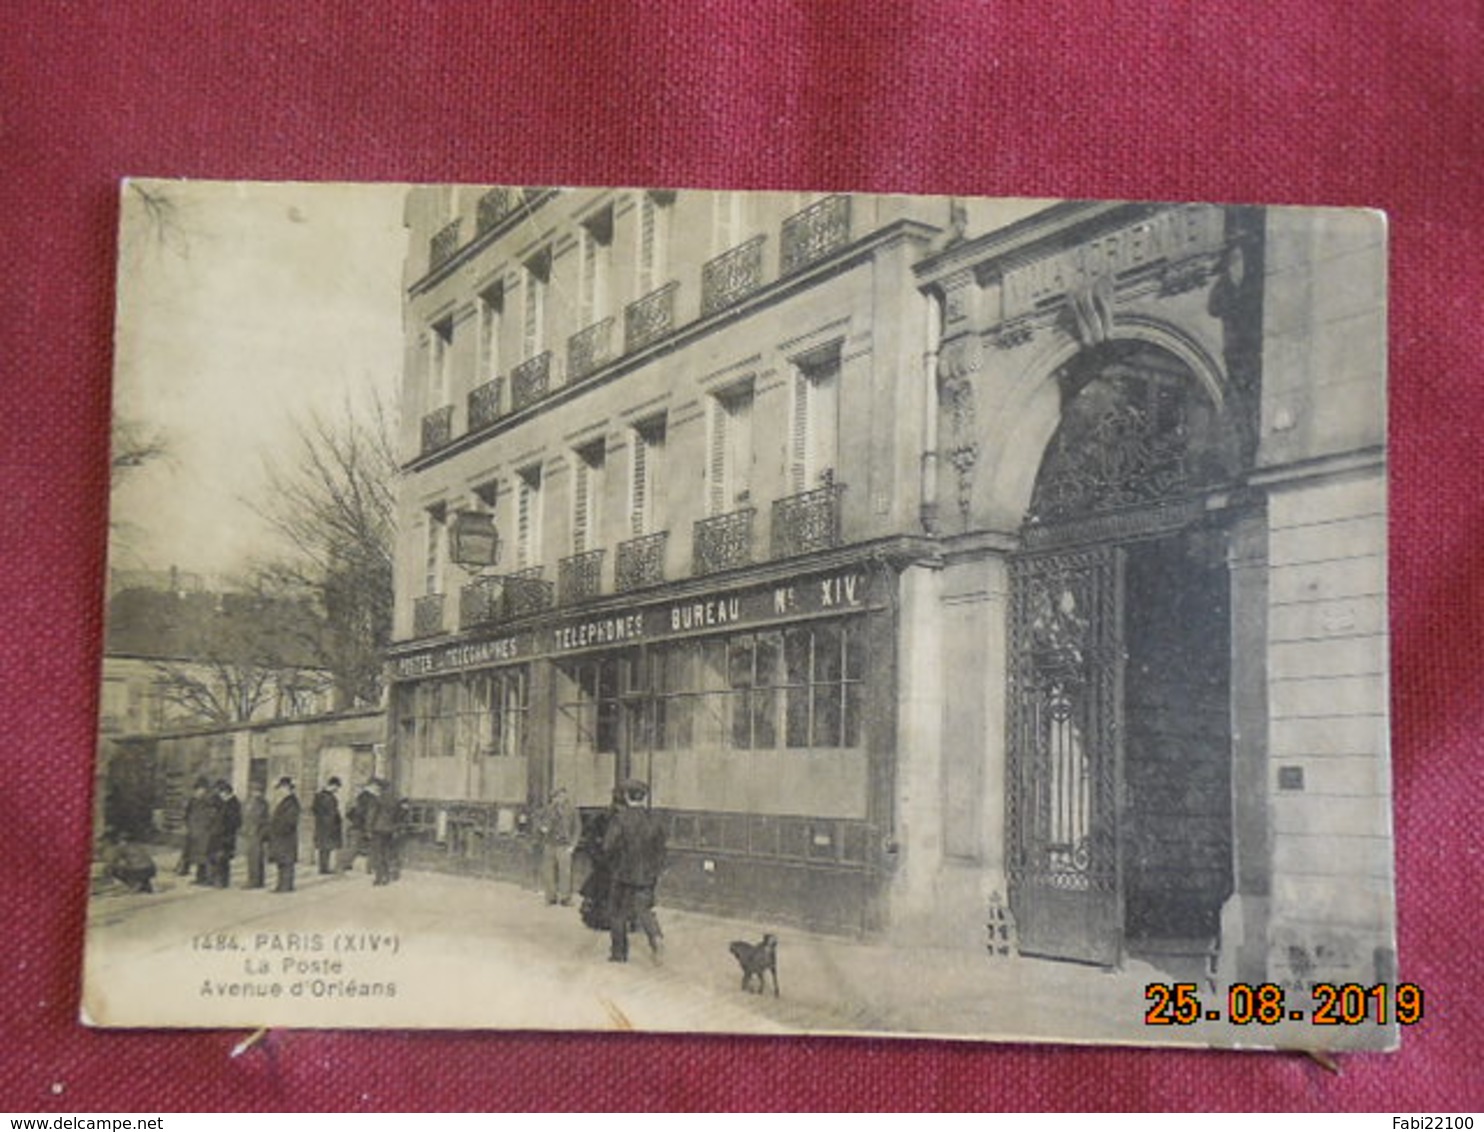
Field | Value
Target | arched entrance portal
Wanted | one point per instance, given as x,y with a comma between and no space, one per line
1119,801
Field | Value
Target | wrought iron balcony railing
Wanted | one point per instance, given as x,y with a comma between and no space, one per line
484,403
444,243
530,381
496,598
723,541
812,234
589,350
493,207
732,276
427,615
641,562
580,577
808,521
437,429
649,319
526,591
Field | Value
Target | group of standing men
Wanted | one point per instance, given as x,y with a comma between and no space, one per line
372,827
215,819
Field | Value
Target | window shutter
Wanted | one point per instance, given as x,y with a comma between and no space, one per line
799,455
648,276
523,524
639,503
718,457
579,506
534,312
589,291
740,457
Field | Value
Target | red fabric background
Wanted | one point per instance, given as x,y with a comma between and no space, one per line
1352,102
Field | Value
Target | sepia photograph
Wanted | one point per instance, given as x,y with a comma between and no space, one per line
686,610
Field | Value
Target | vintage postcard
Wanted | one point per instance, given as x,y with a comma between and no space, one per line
678,610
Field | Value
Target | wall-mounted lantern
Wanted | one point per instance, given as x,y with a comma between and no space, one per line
473,540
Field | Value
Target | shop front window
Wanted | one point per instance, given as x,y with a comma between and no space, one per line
794,688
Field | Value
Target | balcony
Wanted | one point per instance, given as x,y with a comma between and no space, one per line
484,403
649,319
580,577
493,207
808,521
490,600
527,592
732,276
530,381
427,615
589,350
437,429
444,243
811,235
723,541
641,562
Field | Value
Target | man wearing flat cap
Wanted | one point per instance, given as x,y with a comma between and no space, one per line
283,834
634,846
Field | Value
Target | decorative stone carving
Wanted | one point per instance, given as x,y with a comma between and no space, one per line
1185,275
964,458
1014,333
1091,306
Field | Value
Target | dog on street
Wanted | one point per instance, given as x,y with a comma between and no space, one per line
758,960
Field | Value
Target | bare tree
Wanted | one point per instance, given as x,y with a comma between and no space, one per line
333,503
246,659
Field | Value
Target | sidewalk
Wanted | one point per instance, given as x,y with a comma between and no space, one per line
483,953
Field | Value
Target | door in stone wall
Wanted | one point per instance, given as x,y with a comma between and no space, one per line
1066,677
1118,794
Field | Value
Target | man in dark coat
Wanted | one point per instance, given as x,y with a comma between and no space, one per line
329,830
283,834
224,844
202,831
255,834
383,826
634,845
358,839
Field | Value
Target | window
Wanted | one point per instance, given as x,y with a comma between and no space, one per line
647,444
491,312
652,253
440,362
597,253
727,221
814,423
481,714
589,691
533,315
528,517
729,461
587,496
796,688
436,552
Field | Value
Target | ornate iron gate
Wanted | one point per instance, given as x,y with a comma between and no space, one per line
1065,752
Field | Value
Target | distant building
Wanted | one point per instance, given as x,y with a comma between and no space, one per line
920,554
179,657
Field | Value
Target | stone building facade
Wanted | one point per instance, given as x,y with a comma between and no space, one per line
923,555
